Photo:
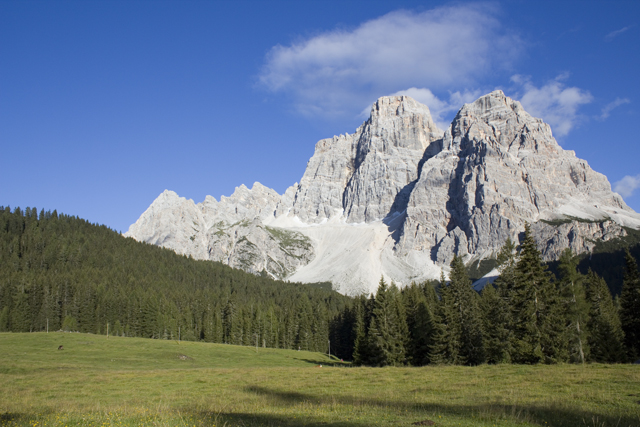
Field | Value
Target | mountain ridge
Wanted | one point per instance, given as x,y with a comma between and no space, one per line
399,197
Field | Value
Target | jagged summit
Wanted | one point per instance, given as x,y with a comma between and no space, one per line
399,197
498,168
359,176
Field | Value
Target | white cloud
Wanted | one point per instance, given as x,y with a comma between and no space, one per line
616,33
606,111
554,103
441,111
338,71
627,185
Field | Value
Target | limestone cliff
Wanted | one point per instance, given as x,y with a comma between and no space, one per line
399,198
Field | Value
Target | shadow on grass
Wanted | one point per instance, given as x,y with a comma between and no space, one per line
6,417
266,420
547,415
332,363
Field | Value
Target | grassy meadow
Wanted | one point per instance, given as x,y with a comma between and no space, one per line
95,381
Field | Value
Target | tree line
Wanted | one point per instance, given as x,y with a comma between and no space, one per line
59,272
524,317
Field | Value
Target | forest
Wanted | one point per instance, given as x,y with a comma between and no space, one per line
60,272
526,317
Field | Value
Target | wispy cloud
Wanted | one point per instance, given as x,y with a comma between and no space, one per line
337,72
554,103
627,185
616,33
606,111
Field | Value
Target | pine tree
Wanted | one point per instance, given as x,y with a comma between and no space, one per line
419,322
360,346
507,260
630,307
304,333
458,326
445,345
576,309
231,323
387,334
471,347
536,312
606,339
496,321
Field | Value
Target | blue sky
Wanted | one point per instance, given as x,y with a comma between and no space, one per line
103,105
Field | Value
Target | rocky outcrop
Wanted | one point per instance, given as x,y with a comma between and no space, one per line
499,168
399,198
366,176
578,235
230,231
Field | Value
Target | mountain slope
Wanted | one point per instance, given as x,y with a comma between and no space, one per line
399,198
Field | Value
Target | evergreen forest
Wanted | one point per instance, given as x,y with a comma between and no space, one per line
527,316
60,272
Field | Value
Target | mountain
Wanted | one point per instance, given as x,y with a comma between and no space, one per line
399,198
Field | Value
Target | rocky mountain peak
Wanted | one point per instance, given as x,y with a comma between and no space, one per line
358,177
399,197
499,168
503,124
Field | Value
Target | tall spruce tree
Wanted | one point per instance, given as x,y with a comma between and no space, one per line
496,321
606,339
630,307
536,312
576,307
419,322
507,260
496,302
458,332
471,346
360,345
445,345
387,334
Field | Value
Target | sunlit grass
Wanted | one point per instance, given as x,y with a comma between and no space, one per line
127,381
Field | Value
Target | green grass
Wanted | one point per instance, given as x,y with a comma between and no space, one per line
129,381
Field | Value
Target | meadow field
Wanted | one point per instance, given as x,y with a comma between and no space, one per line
95,381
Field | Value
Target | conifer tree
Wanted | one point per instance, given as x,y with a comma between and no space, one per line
496,322
536,312
232,323
419,322
304,333
630,307
445,345
458,336
387,334
360,346
507,260
606,339
471,347
576,307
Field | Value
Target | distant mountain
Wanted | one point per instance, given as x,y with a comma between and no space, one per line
399,198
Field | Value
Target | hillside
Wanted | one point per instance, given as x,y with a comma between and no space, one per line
61,272
22,351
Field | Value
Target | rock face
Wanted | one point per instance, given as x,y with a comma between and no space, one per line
368,175
230,231
498,168
399,198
